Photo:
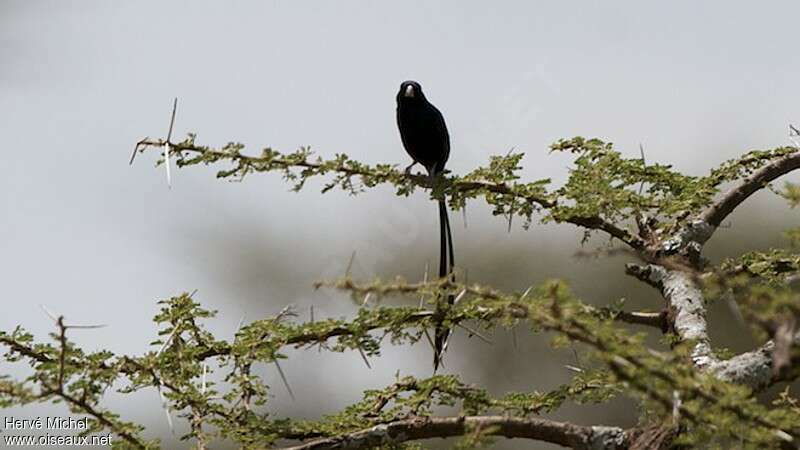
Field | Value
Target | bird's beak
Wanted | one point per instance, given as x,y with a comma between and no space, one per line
409,92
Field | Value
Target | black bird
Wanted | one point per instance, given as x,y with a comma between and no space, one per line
425,138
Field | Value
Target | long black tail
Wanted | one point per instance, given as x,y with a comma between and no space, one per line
446,263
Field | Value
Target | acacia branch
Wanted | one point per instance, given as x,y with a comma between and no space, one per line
311,338
597,223
728,202
687,309
58,388
691,325
99,415
643,318
561,433
687,318
29,352
755,368
247,163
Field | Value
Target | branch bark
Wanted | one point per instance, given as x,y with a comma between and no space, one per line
698,230
687,318
561,433
754,369
687,310
719,210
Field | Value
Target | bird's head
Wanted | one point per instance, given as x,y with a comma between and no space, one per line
410,91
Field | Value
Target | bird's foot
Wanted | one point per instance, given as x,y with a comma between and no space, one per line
408,169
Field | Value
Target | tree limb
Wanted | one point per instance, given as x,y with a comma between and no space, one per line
753,369
687,317
705,224
385,175
561,433
720,209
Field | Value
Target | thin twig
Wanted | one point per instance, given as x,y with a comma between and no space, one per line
424,280
793,133
475,333
428,336
62,357
49,313
136,148
285,381
350,264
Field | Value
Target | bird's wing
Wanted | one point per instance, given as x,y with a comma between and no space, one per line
441,130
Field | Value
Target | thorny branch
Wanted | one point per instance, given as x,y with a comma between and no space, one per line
569,325
685,314
728,202
58,388
681,287
672,265
385,174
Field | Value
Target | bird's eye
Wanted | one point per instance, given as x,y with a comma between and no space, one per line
409,92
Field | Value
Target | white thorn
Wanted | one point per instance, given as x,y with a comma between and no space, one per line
239,326
166,164
475,333
86,327
676,405
166,410
784,435
49,313
169,137
169,338
203,385
424,281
